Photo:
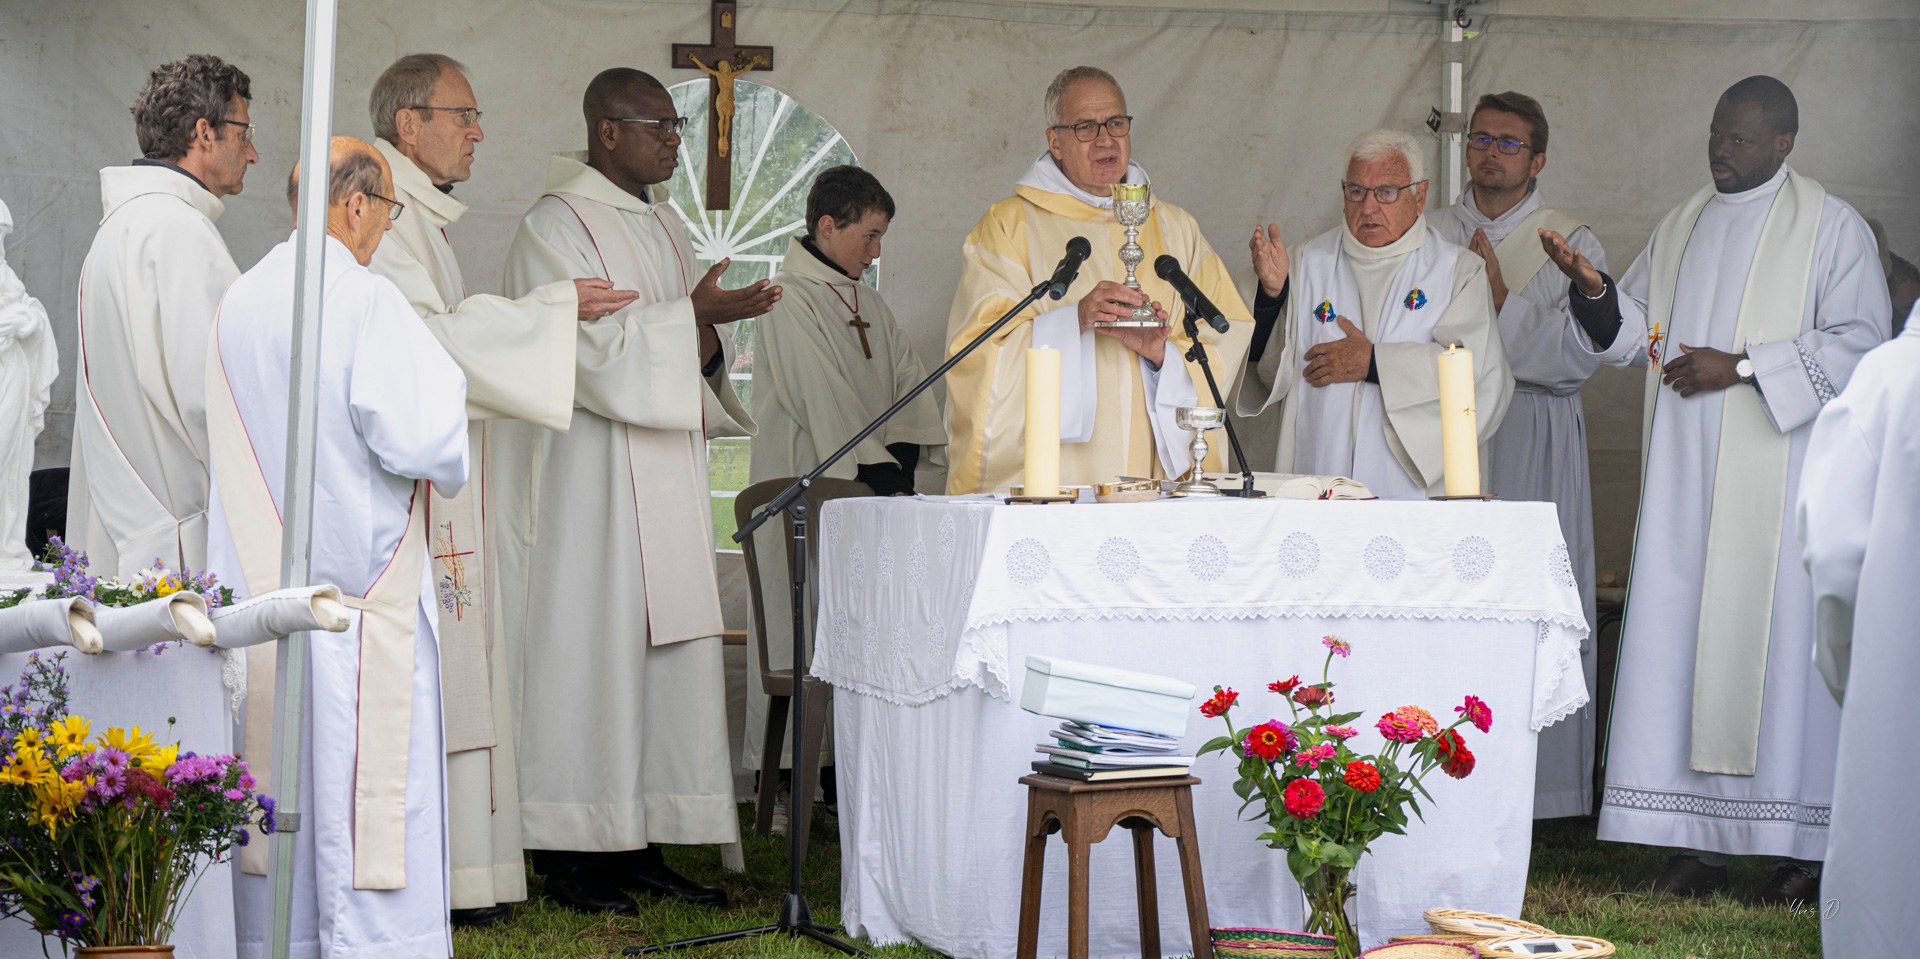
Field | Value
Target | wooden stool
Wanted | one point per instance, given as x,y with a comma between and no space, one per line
1083,813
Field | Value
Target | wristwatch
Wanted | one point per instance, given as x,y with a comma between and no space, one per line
1744,369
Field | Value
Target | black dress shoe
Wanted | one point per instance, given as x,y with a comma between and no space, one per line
480,918
585,896
1790,886
651,874
1687,876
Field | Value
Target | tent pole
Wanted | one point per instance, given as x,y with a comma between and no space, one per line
1453,102
316,128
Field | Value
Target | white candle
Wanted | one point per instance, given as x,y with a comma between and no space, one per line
1043,423
1459,434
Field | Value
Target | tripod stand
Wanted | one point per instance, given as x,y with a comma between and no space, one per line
796,916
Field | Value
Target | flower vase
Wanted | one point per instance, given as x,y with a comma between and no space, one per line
124,952
1329,910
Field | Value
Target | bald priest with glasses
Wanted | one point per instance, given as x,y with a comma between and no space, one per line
1350,328
1119,387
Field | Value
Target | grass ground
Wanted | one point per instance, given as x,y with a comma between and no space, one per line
1574,888
727,461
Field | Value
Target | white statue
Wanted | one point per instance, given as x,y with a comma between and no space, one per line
28,363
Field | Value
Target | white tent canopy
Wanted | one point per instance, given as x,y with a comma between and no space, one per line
1244,108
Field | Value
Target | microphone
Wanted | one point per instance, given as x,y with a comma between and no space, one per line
1078,249
1168,269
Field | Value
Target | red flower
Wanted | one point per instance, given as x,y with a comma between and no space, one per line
1303,798
1456,759
1217,706
1269,739
1477,712
1363,776
1285,686
1313,696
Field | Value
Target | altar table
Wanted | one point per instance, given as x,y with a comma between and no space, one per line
929,607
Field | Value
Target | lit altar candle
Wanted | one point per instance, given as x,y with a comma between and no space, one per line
1459,435
1043,423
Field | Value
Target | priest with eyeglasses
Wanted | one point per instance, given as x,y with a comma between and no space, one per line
1349,331
1119,387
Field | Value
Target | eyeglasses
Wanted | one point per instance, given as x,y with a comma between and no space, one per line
246,129
1355,193
468,115
393,206
1086,131
1508,146
665,126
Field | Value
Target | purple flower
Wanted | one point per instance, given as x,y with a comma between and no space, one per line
70,924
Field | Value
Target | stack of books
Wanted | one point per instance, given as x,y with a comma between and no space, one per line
1091,752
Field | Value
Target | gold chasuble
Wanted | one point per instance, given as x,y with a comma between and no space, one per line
1015,246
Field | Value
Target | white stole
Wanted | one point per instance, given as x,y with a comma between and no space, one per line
1330,416
388,616
1749,478
683,597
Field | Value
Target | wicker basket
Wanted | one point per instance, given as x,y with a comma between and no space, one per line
1465,923
1514,947
1248,941
1422,949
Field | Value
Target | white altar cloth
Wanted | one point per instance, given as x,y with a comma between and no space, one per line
146,689
925,602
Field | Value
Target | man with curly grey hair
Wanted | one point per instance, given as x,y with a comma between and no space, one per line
148,291
1349,330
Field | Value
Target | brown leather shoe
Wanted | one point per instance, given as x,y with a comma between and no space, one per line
1790,886
1687,876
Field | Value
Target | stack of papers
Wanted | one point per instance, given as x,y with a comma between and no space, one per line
1091,752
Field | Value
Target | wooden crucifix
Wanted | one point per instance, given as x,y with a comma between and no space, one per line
723,62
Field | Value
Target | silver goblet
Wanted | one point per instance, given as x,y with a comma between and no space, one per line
1132,206
1198,420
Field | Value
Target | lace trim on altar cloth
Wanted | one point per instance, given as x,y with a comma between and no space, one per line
1718,807
1816,374
984,645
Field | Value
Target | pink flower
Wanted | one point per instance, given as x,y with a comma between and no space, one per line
1303,798
1340,647
1399,729
1342,732
1313,756
1419,717
1477,712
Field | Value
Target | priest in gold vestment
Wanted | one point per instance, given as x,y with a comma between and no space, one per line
1118,387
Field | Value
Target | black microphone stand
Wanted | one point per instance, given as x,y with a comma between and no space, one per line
1197,353
796,917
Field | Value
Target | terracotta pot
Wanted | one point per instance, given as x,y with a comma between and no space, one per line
124,952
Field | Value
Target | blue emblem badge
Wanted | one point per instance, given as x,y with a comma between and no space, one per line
1324,312
1416,299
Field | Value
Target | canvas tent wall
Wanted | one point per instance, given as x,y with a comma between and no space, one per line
1244,107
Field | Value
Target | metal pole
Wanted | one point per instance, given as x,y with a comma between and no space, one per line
316,130
1452,102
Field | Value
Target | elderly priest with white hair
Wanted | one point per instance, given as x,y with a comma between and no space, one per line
1770,291
1362,399
370,875
1118,387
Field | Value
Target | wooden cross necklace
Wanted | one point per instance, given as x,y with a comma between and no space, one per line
857,323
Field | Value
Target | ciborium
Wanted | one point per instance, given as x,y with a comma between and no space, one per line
1198,420
1132,206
